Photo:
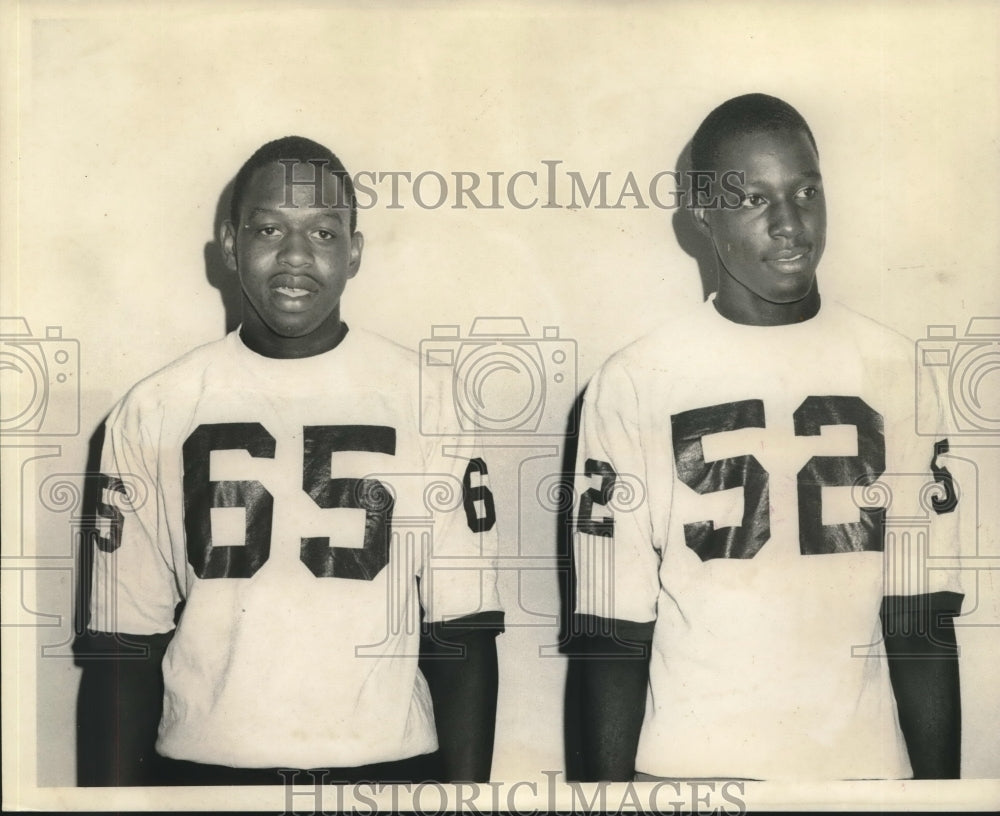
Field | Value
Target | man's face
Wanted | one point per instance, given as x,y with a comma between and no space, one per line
769,246
293,262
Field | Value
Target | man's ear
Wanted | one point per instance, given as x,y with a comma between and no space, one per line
701,221
357,247
227,240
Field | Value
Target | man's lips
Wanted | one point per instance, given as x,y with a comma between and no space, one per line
292,293
790,255
294,286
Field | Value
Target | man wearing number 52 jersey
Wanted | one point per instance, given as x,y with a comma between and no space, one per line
282,538
754,606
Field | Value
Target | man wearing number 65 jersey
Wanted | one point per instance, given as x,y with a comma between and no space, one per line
282,538
751,601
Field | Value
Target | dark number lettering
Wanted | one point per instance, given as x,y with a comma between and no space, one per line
689,428
943,477
816,538
471,494
201,494
360,563
110,512
604,526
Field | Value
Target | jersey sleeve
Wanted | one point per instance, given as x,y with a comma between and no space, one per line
134,587
459,561
616,563
932,492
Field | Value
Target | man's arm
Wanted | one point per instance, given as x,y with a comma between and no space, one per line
615,678
920,644
460,665
615,567
119,708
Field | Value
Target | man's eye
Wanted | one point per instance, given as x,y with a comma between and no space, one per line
324,235
751,200
807,192
267,231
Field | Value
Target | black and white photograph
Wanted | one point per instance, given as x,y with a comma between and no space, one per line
512,406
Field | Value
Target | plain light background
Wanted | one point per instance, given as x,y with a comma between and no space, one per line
123,123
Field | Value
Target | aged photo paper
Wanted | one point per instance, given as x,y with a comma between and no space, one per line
515,162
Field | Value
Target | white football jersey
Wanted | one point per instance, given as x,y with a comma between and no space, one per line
296,510
732,486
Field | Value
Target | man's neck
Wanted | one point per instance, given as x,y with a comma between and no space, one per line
269,344
753,311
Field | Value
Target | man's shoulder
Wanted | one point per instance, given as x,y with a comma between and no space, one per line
640,370
375,362
665,347
365,342
178,376
872,338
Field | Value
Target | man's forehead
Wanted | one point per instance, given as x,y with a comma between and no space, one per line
292,185
767,153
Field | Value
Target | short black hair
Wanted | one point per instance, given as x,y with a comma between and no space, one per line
287,148
739,116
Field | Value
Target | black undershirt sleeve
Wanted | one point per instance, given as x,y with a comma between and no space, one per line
922,651
459,660
119,706
615,669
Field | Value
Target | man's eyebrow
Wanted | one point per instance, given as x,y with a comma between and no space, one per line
259,211
807,175
330,211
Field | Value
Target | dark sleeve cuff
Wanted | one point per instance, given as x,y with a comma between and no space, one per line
94,645
940,604
920,626
626,630
491,623
612,637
